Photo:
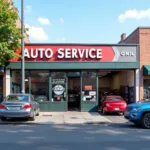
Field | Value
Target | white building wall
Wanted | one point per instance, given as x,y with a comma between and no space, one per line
7,82
137,84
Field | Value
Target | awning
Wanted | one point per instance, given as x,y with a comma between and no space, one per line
146,70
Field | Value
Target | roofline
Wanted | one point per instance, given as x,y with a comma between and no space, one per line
78,44
140,27
130,34
144,27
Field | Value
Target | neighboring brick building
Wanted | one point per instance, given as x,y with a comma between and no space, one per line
141,36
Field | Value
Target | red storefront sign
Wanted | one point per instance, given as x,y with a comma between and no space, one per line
58,53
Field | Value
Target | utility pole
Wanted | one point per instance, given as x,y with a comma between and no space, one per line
22,49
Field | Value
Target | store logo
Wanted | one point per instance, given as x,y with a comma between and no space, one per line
126,53
58,89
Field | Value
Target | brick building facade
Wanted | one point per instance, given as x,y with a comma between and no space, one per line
140,36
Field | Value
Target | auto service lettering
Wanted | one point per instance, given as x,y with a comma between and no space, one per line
66,53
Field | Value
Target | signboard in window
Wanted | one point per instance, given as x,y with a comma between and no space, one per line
58,81
58,98
92,93
58,89
88,87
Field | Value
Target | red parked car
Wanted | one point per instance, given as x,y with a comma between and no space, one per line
113,103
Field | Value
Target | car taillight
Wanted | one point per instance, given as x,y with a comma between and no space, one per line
124,104
27,106
2,107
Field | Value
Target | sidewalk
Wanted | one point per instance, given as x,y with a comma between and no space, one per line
64,118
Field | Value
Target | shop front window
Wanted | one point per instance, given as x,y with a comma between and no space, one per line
58,86
146,88
16,81
40,85
74,74
27,82
88,86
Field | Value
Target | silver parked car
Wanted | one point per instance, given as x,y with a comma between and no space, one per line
18,106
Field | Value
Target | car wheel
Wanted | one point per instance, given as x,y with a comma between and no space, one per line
33,117
103,112
38,112
145,121
3,118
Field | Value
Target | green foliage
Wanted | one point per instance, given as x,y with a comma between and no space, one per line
10,35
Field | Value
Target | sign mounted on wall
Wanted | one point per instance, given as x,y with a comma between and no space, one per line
82,53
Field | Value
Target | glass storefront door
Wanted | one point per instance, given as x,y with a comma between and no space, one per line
58,91
74,90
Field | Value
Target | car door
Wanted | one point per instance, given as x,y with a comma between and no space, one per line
34,105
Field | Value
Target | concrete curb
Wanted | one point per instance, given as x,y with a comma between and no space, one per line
36,123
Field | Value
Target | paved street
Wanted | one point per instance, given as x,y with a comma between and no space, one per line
73,137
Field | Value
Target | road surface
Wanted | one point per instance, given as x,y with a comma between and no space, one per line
74,137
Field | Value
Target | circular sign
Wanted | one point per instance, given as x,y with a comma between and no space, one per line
58,89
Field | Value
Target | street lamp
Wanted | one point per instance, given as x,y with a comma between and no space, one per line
22,48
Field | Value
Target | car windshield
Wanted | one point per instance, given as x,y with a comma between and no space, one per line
18,98
115,98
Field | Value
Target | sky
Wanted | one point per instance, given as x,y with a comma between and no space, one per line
83,21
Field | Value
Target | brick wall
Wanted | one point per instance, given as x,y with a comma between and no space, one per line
144,42
141,36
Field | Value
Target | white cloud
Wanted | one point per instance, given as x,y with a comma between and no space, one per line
61,40
37,33
61,20
134,14
28,8
43,21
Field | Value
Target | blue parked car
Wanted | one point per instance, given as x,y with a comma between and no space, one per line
139,113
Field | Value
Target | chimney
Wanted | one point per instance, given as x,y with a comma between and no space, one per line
123,37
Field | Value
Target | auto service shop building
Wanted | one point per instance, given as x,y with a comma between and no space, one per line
52,70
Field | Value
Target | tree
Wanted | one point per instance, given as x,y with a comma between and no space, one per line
10,34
